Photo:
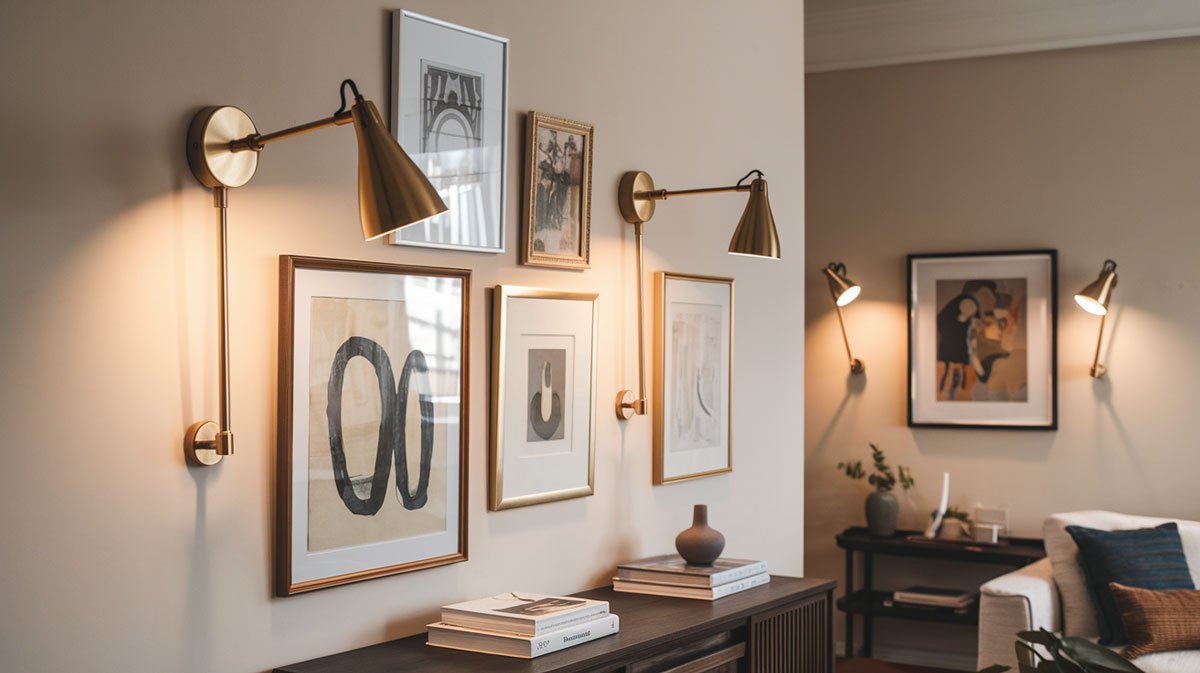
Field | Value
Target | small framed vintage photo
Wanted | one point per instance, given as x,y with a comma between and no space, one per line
372,465
558,193
693,376
982,335
450,113
543,396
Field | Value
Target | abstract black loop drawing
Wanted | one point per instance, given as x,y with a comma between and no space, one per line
393,422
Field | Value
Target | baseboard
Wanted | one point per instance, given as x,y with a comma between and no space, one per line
899,655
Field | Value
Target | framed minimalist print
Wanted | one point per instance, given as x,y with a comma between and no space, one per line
693,376
558,193
982,335
543,396
450,113
372,465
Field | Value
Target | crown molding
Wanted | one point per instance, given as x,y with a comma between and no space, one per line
843,36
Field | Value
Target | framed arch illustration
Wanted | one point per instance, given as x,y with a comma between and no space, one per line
450,113
372,464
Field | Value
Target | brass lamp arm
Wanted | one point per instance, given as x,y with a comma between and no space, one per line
257,141
664,194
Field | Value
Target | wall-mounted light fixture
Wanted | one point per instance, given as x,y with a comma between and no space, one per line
755,236
1094,299
844,291
222,149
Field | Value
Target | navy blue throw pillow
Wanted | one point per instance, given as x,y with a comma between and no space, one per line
1146,558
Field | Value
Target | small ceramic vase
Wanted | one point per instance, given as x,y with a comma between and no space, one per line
700,545
882,511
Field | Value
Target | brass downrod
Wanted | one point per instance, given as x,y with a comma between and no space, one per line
1097,368
856,365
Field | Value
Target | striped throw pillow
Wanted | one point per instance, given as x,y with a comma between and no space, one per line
1146,558
1158,621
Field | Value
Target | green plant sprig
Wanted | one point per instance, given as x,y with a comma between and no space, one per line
883,478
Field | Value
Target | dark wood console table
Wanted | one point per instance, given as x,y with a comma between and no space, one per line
783,627
870,603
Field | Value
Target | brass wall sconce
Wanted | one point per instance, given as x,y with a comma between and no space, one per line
754,236
222,150
844,291
1094,299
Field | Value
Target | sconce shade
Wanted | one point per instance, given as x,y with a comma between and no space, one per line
842,288
1095,297
755,234
392,192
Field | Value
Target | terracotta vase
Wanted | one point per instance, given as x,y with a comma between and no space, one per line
700,545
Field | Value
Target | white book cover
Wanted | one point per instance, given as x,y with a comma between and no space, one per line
523,647
523,613
672,569
700,593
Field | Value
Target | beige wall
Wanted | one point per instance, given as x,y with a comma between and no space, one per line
1090,151
117,557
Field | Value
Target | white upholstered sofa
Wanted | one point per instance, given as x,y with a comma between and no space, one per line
1052,593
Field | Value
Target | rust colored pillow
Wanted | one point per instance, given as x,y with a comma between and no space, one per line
1158,621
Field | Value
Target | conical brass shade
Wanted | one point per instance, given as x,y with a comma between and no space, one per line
755,234
1095,297
392,191
842,288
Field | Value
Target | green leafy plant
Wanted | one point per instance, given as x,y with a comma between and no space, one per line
883,478
953,512
1064,655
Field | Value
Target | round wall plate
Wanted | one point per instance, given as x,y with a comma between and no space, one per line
633,209
200,444
209,156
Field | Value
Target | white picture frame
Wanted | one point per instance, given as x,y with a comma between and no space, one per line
450,113
543,396
693,376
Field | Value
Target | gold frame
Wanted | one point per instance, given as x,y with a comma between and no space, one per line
529,256
496,499
288,264
660,283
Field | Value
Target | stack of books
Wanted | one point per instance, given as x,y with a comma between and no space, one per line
934,598
522,625
670,575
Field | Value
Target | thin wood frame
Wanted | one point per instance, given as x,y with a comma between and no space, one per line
288,265
496,499
660,286
529,256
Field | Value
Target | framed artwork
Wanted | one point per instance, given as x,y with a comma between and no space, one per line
558,193
693,376
450,113
982,340
372,465
543,396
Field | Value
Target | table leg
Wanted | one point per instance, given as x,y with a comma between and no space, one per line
849,589
868,585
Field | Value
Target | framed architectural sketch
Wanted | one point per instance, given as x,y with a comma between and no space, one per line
543,396
693,376
982,336
450,113
558,193
372,466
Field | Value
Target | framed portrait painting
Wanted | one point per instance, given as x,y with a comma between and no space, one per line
982,337
543,396
372,465
693,376
450,113
558,193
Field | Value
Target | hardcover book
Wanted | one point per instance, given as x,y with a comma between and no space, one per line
672,569
700,593
523,647
522,613
951,598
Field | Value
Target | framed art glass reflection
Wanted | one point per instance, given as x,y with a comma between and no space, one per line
693,376
372,462
982,334
543,396
450,113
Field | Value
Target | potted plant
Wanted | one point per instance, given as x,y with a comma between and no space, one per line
956,525
882,507
1064,655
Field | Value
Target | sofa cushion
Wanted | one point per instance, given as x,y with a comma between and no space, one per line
1145,558
1079,615
1158,621
1169,662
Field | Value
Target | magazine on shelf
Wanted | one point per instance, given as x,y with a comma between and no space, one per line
523,647
672,569
934,596
700,593
525,614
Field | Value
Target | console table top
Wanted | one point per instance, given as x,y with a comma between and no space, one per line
646,622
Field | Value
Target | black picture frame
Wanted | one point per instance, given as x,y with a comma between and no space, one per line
918,419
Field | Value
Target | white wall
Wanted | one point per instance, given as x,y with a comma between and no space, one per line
118,557
1090,151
